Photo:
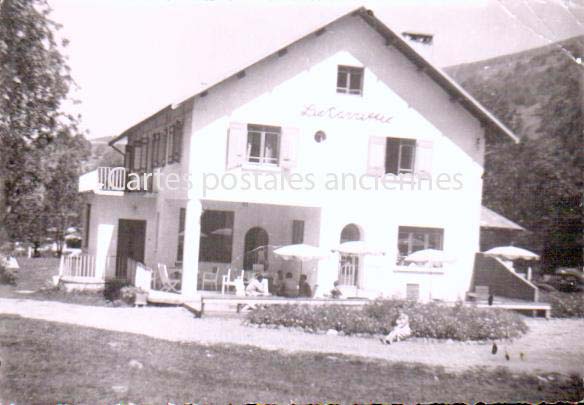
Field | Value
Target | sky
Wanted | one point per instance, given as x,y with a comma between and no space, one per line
130,58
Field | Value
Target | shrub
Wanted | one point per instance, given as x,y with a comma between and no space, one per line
432,320
7,276
112,289
566,305
128,294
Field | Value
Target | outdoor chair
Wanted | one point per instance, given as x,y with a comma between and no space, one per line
211,277
227,282
167,284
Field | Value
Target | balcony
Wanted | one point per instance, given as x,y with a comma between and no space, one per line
116,181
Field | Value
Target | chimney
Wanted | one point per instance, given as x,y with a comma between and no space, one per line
422,43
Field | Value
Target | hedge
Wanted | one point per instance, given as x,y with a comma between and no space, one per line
430,320
565,305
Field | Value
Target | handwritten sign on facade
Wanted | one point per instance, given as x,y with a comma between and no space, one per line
332,112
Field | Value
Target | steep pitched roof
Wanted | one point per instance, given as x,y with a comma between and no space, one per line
455,91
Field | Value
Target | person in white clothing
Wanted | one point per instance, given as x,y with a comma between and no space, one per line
400,331
255,288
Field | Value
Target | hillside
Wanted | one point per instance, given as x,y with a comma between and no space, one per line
525,88
102,155
538,183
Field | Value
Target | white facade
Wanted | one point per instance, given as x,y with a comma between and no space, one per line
296,93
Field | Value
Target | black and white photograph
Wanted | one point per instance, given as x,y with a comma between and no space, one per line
291,202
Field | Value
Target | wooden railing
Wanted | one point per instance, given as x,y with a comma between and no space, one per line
90,268
119,179
111,178
78,267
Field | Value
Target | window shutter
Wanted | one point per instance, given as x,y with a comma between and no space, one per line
423,157
289,147
236,143
376,158
129,157
177,143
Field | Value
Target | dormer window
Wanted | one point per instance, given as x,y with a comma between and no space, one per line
350,80
263,144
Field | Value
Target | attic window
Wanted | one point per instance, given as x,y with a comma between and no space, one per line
350,80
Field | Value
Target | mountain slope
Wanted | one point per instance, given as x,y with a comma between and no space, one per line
538,183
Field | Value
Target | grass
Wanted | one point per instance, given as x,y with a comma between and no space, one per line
35,275
45,362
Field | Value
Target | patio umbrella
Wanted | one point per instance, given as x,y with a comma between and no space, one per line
511,253
429,256
359,247
302,252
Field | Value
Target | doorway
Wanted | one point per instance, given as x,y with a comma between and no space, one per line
131,245
256,249
349,264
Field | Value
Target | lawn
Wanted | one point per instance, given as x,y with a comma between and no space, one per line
45,362
33,281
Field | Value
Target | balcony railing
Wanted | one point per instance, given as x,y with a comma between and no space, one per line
117,180
111,178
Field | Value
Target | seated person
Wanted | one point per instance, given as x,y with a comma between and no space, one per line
255,288
336,292
278,282
290,287
401,330
304,289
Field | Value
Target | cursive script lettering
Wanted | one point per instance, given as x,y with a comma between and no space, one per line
335,113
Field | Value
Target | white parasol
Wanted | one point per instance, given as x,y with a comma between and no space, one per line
429,256
511,253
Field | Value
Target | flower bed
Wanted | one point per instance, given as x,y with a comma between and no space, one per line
426,320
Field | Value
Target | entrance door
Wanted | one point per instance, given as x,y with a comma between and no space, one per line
349,264
131,243
256,248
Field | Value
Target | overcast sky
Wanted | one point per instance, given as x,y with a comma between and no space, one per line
130,58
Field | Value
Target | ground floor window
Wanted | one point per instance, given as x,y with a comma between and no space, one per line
216,236
411,239
412,292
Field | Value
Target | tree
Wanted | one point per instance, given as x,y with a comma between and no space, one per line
34,81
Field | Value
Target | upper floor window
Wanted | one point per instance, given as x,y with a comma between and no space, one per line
400,155
147,151
411,239
350,80
263,144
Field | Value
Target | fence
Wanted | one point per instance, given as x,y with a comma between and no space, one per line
90,268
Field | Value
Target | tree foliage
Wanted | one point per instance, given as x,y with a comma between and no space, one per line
35,133
539,182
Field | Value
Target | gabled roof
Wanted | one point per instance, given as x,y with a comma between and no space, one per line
455,91
493,220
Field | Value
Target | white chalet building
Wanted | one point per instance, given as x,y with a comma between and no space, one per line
345,134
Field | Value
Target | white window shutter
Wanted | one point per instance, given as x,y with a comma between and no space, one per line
289,147
376,158
236,142
423,157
